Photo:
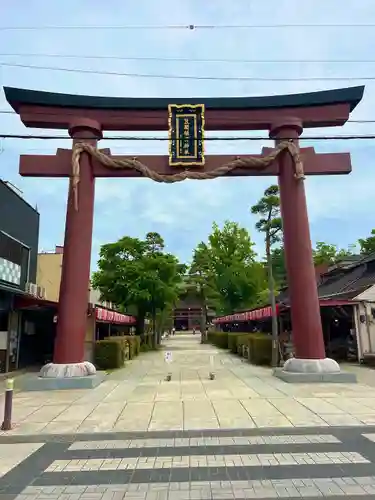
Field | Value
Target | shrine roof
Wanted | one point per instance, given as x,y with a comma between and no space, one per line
18,97
343,283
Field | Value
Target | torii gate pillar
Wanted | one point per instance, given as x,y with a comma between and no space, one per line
310,362
75,274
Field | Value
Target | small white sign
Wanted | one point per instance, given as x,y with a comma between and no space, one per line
168,356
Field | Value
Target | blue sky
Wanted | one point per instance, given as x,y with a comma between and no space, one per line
340,208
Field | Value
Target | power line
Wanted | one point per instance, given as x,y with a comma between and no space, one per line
192,77
220,138
184,60
187,27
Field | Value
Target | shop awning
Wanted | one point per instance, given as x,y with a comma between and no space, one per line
336,302
108,316
31,302
253,315
266,312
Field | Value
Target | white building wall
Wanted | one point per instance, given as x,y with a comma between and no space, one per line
94,299
368,295
364,315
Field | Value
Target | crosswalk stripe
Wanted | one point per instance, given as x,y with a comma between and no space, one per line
205,441
288,488
250,460
370,437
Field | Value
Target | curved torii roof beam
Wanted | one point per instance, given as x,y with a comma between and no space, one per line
326,108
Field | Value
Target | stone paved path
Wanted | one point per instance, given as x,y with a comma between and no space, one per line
334,463
244,435
137,398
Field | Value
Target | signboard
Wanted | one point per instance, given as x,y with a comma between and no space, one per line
186,135
168,356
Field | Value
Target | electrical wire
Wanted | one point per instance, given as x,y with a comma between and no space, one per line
192,77
191,27
184,60
222,138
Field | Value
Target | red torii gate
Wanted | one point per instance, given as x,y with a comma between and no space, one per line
87,117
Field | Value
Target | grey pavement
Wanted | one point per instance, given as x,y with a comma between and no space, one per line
243,435
333,463
139,398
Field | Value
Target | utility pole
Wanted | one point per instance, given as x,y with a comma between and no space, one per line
271,287
154,340
203,318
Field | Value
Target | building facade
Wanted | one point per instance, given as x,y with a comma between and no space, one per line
102,320
19,235
49,265
191,308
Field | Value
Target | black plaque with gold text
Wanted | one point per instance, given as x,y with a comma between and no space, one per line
186,135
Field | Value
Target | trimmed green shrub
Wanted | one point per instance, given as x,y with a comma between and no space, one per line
129,342
257,347
135,345
260,346
108,355
233,339
123,343
219,339
242,341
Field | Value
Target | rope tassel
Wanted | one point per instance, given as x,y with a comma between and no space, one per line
134,164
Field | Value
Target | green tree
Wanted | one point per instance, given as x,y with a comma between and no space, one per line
138,274
367,245
327,253
200,278
268,208
227,268
278,266
270,223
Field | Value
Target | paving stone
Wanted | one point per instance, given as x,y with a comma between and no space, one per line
228,463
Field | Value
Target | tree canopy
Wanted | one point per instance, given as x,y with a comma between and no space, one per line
141,278
226,265
367,245
270,224
268,208
139,274
327,253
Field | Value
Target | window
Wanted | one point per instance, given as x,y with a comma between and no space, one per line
4,316
10,249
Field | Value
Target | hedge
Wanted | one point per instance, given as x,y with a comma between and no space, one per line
219,339
129,342
259,347
108,354
233,339
112,352
147,342
134,344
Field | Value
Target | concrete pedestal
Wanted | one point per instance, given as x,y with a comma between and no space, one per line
55,376
304,371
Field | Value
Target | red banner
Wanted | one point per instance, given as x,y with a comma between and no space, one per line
256,314
113,317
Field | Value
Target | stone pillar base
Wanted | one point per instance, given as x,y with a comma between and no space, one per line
55,376
304,371
68,370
